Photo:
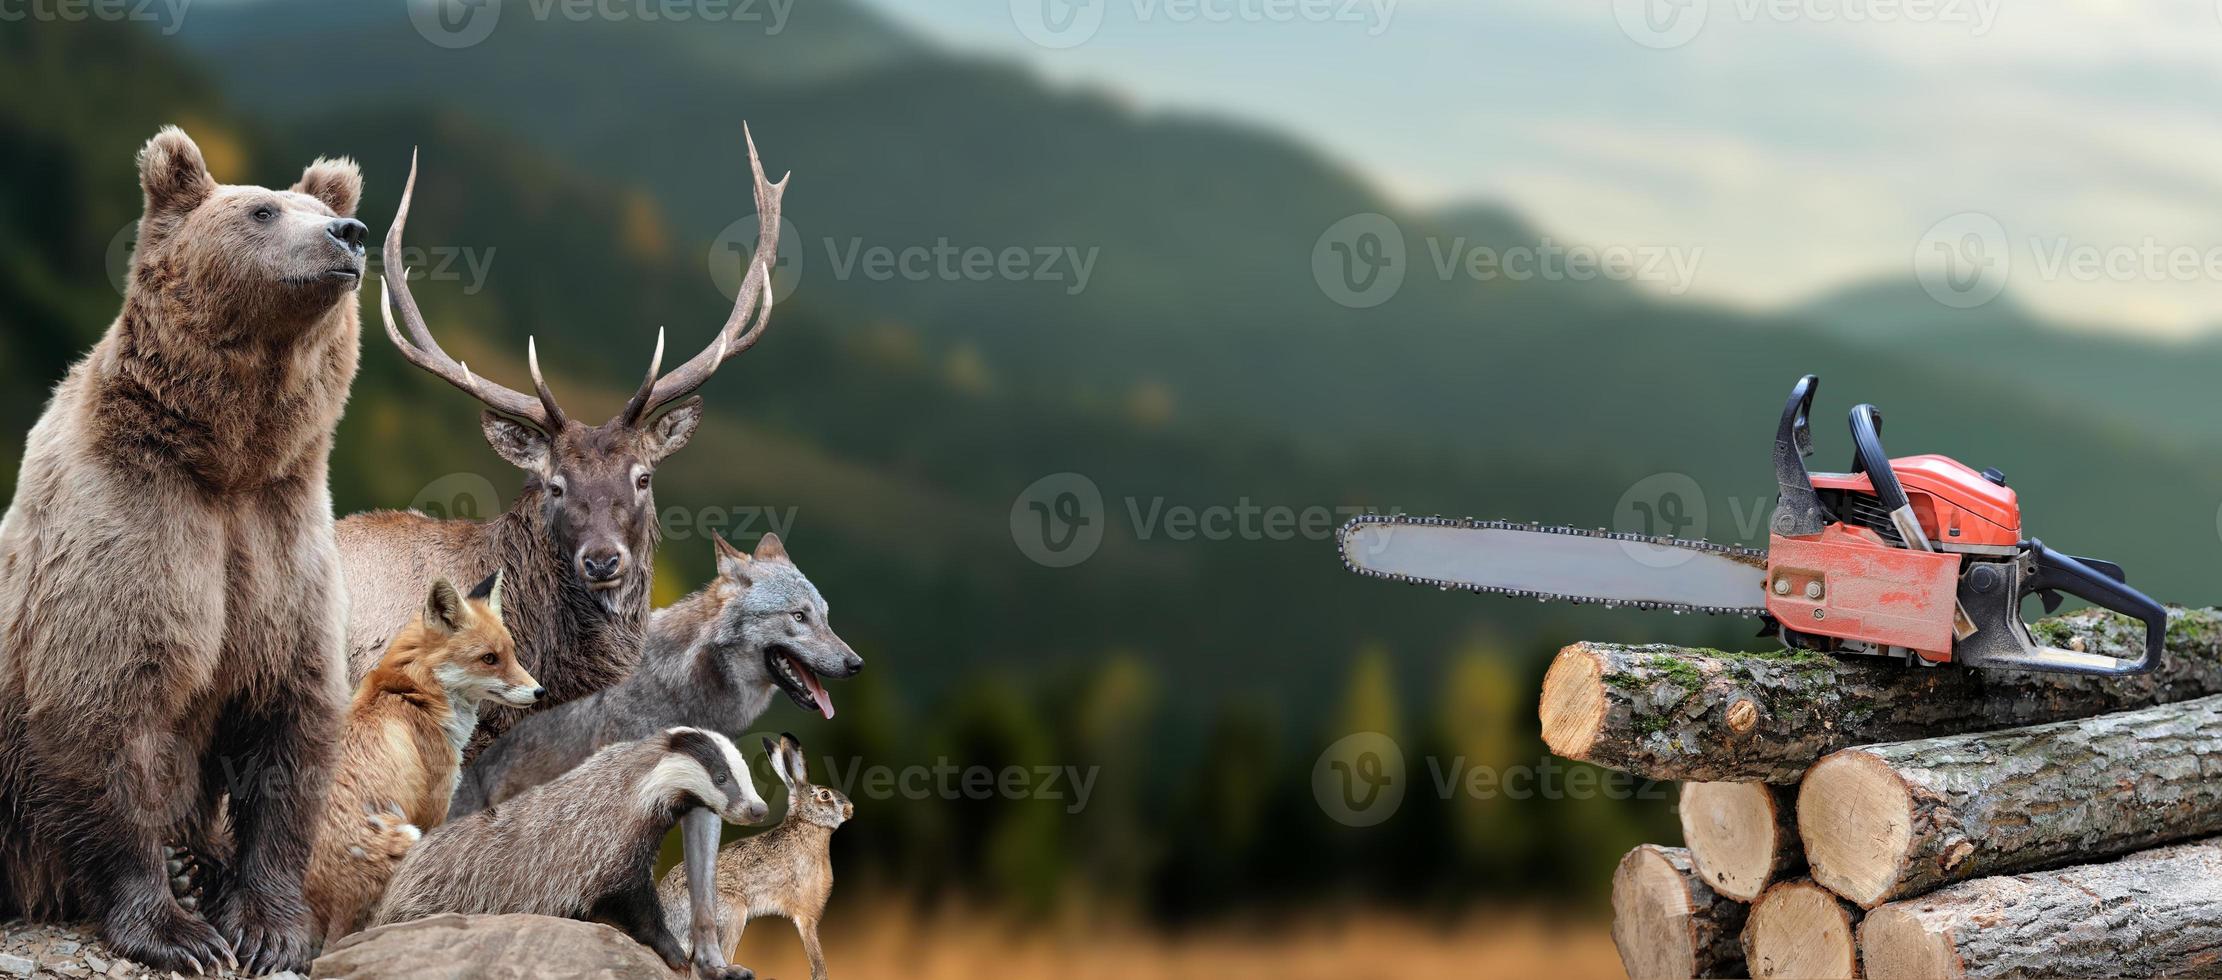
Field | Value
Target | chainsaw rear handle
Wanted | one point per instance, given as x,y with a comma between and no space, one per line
2066,573
1798,510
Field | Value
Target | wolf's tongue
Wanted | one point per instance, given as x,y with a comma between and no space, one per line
818,693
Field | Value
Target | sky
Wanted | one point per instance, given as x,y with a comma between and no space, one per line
2066,152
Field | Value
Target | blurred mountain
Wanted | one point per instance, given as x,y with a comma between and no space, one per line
2153,388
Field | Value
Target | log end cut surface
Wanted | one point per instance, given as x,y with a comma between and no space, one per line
1800,930
1900,945
1733,832
1573,707
1651,917
1855,816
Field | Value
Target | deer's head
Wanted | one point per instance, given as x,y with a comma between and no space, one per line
595,484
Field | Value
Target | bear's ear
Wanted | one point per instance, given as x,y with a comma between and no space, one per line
523,446
172,174
338,183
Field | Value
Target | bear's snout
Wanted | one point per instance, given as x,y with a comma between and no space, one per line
349,233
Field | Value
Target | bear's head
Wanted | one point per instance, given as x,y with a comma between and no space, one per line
246,258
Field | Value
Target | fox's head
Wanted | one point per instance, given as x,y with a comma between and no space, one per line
774,623
468,650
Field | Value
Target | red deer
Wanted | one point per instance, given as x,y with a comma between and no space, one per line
576,548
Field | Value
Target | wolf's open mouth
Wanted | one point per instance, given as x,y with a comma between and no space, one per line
798,680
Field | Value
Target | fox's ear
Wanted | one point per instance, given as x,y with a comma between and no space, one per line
338,183
443,610
732,563
489,592
769,549
172,174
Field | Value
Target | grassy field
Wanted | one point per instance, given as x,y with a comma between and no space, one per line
892,941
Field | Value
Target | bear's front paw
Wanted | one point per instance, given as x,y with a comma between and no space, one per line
267,933
165,937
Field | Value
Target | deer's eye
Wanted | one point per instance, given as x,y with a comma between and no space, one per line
490,659
642,483
555,490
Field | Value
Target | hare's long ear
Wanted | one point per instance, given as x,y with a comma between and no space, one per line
789,760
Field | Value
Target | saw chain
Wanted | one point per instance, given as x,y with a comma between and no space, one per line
1756,557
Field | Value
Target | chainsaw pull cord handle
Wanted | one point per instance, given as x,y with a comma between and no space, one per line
1867,440
2065,573
1797,508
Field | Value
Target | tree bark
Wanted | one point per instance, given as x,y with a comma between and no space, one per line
1665,712
1667,923
1883,822
1743,836
2156,913
1802,931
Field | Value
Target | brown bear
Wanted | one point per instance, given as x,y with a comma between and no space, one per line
171,612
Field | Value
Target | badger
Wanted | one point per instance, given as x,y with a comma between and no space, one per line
584,845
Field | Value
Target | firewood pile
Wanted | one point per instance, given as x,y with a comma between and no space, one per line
1848,817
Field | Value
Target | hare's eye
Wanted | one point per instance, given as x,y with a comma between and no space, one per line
824,797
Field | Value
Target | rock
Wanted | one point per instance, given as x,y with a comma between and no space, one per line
16,966
489,947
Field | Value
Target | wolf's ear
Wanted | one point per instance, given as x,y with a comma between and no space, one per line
489,592
732,563
525,447
338,183
671,430
768,548
443,610
172,174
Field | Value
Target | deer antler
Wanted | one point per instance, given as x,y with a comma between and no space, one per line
658,393
425,352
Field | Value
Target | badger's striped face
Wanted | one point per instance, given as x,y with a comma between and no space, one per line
702,768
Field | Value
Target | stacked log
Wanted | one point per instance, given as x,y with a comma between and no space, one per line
1874,819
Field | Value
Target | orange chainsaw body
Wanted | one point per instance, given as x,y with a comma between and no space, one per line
1848,582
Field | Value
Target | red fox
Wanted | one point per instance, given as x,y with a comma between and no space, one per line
401,748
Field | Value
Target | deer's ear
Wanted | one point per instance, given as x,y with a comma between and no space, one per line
338,183
443,609
522,445
173,175
671,430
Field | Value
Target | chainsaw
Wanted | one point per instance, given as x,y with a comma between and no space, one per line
1919,558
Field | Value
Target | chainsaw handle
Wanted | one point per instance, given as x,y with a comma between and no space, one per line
1867,443
1798,510
2064,573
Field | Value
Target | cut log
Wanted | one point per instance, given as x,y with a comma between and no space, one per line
2152,914
1742,835
1665,712
1882,822
1802,931
1667,923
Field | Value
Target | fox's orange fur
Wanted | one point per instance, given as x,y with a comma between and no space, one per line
401,748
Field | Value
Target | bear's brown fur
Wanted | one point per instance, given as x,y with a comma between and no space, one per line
171,611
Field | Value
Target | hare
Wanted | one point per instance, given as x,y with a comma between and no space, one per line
784,871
